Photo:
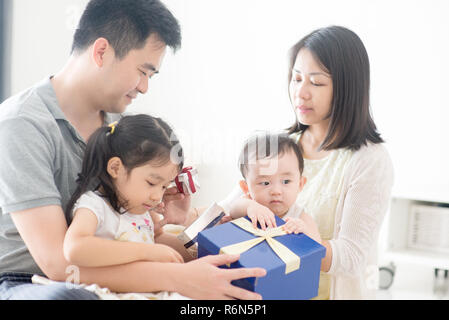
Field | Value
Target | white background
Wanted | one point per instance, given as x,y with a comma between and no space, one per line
229,78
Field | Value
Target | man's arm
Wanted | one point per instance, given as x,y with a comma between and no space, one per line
43,230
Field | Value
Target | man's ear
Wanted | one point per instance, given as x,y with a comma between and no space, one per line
100,48
245,189
302,182
115,167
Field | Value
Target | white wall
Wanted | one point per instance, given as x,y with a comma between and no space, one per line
229,77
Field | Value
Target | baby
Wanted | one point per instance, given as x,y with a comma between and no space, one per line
272,165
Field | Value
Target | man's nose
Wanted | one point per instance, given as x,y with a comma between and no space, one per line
142,87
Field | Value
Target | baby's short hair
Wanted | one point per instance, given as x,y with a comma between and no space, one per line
267,145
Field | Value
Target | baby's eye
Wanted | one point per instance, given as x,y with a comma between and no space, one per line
264,183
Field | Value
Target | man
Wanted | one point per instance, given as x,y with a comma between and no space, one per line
118,46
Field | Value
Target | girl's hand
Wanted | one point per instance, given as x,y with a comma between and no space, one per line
174,207
163,253
293,225
259,213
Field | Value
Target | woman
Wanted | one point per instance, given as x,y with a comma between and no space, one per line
349,172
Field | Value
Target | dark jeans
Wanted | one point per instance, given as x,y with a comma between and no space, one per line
18,286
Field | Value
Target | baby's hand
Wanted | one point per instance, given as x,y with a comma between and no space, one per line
293,225
163,253
259,213
225,219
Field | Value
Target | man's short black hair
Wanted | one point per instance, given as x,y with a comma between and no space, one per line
126,25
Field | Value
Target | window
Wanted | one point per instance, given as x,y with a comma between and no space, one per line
5,48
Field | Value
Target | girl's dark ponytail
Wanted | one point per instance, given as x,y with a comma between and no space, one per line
94,164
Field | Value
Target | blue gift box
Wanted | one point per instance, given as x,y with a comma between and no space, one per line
296,285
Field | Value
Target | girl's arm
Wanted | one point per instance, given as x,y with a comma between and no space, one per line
160,236
83,248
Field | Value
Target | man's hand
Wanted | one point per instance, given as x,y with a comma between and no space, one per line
203,279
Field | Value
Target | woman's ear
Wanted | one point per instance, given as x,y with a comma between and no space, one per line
115,166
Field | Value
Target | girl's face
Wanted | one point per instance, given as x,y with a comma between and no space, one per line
310,90
143,187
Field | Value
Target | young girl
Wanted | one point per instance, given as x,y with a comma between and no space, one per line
126,169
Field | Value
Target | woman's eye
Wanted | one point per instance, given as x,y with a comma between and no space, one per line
151,184
144,73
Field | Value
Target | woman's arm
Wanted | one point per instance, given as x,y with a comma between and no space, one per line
83,248
370,180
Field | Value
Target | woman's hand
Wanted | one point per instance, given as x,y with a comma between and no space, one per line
259,213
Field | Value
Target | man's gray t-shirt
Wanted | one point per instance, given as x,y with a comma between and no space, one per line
41,155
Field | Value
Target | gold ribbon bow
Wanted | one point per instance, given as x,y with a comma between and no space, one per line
291,260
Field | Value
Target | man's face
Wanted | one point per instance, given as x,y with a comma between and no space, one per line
124,79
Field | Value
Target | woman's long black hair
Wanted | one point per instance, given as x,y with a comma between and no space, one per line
136,140
342,53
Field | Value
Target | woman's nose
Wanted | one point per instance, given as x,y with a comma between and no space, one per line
302,92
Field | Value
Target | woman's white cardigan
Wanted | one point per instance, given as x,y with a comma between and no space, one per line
361,208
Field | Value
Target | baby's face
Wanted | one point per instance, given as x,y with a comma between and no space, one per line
275,182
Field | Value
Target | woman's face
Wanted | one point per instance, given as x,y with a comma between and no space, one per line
310,90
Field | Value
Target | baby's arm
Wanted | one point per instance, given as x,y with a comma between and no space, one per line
83,248
255,211
304,224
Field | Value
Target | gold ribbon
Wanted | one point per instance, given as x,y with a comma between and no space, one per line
291,260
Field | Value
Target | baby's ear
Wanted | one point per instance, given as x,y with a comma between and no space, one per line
302,182
244,187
